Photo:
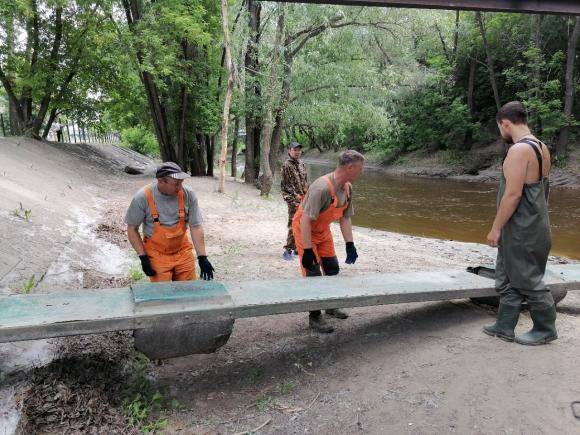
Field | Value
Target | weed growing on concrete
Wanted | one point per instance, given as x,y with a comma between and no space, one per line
142,401
22,213
135,273
28,285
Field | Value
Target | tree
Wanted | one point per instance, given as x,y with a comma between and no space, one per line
227,98
252,91
563,138
489,55
171,43
38,70
265,164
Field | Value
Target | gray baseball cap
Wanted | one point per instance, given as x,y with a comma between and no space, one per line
294,145
170,169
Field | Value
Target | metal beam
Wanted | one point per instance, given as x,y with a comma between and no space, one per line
561,7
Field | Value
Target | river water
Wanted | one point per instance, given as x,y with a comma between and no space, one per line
449,209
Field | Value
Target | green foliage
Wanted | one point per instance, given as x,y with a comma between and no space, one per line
380,80
71,80
135,273
432,118
142,402
22,213
28,285
141,140
264,402
286,387
176,405
539,87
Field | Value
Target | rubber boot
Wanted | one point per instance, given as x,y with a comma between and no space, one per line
318,323
544,329
337,313
507,319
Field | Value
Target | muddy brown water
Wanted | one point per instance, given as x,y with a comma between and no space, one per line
449,209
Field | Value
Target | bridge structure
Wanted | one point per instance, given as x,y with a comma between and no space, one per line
561,7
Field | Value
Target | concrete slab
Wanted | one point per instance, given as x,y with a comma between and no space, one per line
206,294
36,316
258,298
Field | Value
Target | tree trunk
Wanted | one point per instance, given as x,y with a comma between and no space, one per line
489,55
49,84
158,112
209,147
563,137
14,119
468,138
235,148
51,118
252,92
536,119
182,132
197,155
32,48
265,167
227,99
456,36
471,87
281,111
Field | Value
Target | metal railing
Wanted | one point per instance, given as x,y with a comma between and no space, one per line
72,132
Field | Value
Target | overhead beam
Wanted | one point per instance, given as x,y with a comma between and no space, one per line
561,7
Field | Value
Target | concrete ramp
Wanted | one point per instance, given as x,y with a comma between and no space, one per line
180,318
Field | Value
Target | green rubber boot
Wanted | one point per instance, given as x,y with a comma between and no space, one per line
544,329
507,319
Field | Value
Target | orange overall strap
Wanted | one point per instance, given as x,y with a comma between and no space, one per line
181,207
152,207
333,192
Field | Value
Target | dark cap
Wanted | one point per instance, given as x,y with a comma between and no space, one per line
170,169
294,145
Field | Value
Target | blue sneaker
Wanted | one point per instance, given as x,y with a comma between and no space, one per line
287,255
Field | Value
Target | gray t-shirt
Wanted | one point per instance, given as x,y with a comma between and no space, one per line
167,207
318,198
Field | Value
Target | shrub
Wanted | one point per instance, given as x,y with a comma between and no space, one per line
141,140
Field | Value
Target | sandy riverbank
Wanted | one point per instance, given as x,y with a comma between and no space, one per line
410,368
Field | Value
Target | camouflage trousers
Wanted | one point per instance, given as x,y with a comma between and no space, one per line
290,243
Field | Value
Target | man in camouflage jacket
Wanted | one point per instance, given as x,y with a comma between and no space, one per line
294,185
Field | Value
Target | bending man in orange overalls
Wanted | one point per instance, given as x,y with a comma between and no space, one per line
328,199
166,208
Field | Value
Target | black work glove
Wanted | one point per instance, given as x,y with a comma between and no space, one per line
146,265
308,259
351,254
206,267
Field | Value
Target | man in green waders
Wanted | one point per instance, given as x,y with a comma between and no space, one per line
521,232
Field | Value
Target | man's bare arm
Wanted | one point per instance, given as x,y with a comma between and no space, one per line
515,168
135,239
346,228
198,239
306,231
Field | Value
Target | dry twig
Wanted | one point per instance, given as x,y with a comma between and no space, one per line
252,431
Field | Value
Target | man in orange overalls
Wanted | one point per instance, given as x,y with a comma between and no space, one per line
328,199
166,209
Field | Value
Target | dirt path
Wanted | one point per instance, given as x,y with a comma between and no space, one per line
402,369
